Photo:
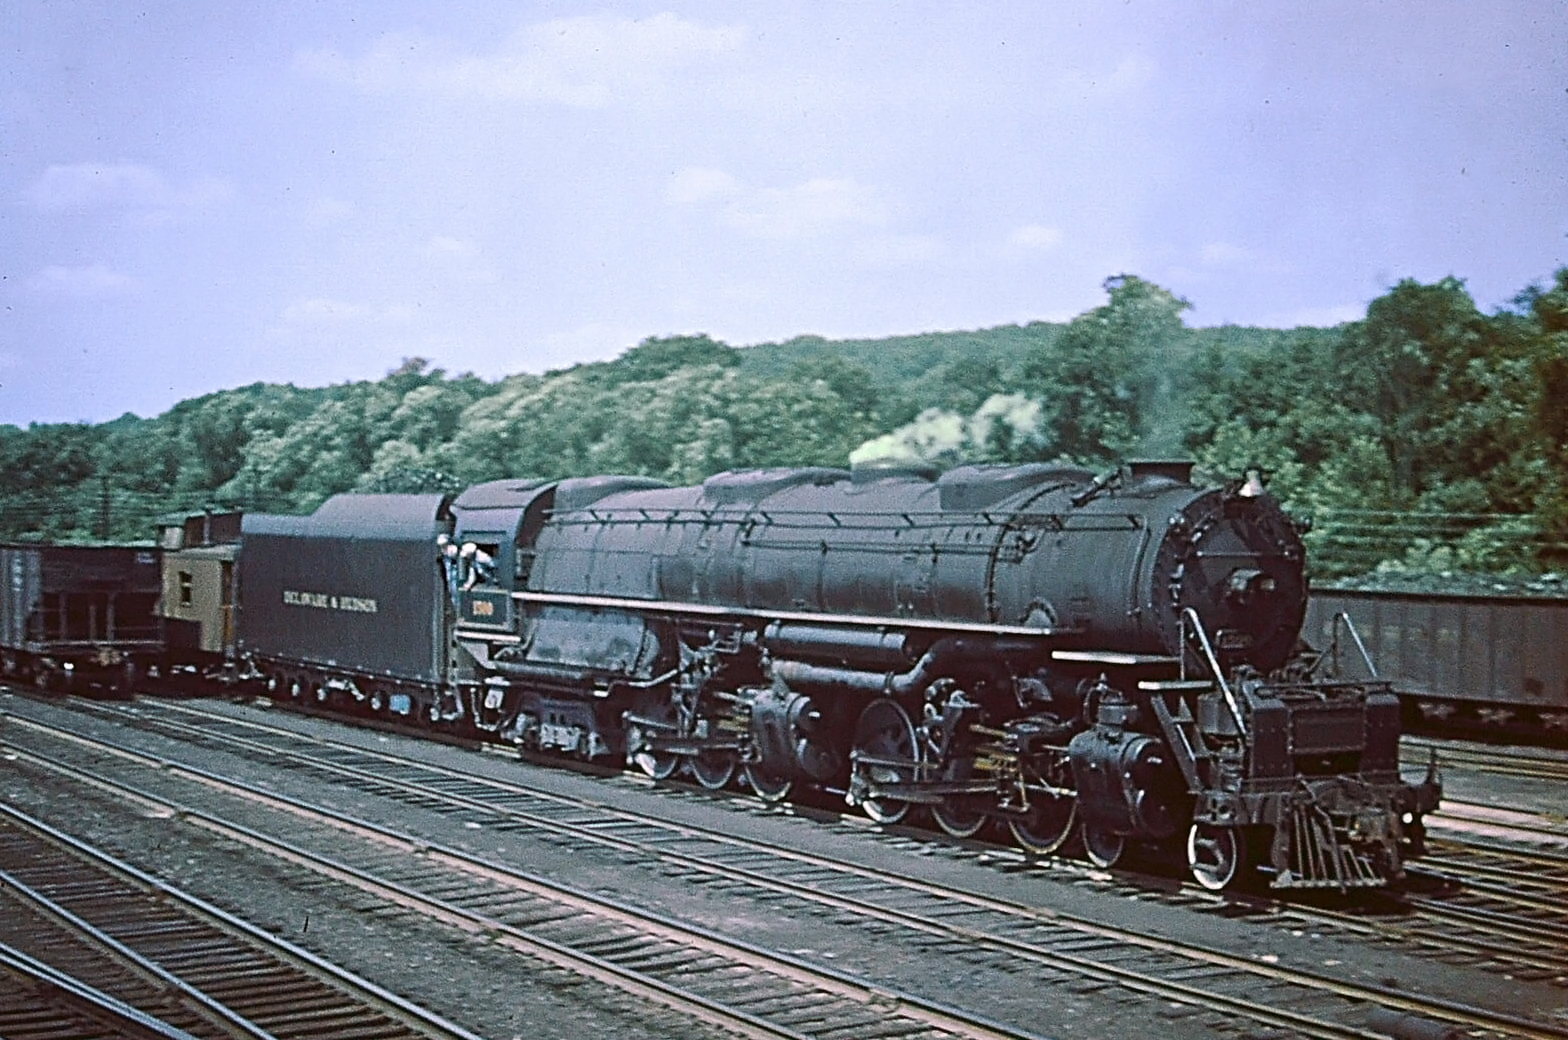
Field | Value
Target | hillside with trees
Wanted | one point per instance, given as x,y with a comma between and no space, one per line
1427,437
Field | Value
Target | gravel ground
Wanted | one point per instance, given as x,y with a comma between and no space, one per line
464,979
475,985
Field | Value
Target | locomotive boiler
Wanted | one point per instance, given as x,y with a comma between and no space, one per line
1112,660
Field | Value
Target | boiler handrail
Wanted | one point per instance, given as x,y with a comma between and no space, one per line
1214,665
1350,626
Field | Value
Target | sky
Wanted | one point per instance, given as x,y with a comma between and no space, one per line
198,196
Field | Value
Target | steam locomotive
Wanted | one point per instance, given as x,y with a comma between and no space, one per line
1113,661
1109,661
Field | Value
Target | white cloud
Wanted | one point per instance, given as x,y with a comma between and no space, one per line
819,205
585,62
91,280
696,184
815,207
458,261
325,311
1223,254
1132,73
446,246
327,211
126,187
902,250
1127,78
1035,236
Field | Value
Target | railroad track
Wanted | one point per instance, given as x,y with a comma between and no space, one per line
1499,909
1052,945
1471,822
1543,764
1529,887
38,1002
130,946
1477,920
740,988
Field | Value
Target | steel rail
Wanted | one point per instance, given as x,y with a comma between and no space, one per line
70,990
1386,996
1498,761
1475,813
371,995
1489,929
231,1020
947,1018
1449,1010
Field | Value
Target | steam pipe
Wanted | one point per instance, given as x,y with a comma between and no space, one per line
867,649
802,676
567,676
1187,614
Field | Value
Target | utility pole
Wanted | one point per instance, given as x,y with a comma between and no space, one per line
103,506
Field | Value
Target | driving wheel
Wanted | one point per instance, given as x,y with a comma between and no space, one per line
885,740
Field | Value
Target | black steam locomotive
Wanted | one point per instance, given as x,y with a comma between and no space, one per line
1116,659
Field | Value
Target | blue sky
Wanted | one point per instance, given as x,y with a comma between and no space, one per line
196,196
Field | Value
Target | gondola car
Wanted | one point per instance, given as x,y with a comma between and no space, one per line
1476,664
79,617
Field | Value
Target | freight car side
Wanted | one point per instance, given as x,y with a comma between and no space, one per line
79,616
1480,664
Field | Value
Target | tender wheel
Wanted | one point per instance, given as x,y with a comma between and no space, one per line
769,788
1103,847
1047,825
1215,855
885,735
713,769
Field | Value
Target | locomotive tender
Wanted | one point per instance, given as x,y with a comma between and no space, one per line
1115,659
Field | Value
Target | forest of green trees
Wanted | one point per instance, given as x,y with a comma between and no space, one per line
1426,437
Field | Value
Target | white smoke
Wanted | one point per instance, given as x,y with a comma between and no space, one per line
946,437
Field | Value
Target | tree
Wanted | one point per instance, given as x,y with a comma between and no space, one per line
1105,386
1406,366
656,357
1549,311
